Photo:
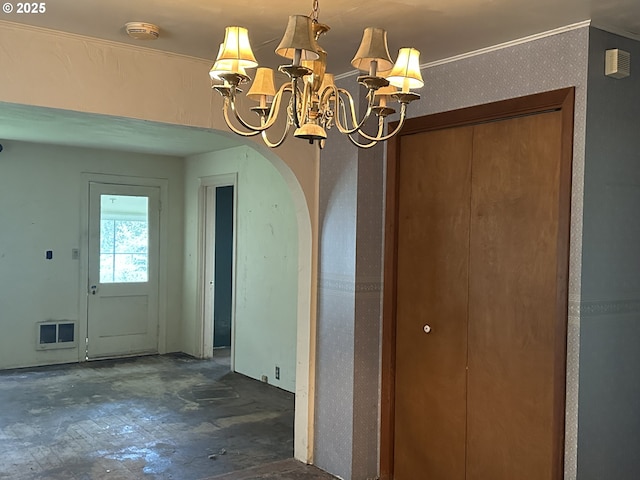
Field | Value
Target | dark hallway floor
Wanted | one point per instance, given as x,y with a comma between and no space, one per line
158,417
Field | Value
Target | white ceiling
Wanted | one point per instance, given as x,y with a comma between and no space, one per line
62,127
438,28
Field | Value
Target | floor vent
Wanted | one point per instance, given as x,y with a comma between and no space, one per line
56,334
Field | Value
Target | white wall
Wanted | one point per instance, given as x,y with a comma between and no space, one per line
41,193
71,72
266,266
53,69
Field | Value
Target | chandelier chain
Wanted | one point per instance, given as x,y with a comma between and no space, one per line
314,13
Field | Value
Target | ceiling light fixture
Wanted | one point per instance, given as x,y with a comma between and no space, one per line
315,103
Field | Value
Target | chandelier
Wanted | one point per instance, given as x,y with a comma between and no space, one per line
311,100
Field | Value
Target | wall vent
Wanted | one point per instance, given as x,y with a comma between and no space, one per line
53,334
617,63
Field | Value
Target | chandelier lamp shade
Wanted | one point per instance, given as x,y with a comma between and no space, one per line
310,99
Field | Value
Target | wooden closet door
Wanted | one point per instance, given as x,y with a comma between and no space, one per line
513,285
432,289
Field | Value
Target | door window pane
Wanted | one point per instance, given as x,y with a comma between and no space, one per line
124,239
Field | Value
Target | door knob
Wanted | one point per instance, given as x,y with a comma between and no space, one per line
427,329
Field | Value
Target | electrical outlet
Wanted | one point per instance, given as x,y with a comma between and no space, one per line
277,373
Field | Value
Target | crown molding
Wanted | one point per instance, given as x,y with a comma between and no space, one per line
493,48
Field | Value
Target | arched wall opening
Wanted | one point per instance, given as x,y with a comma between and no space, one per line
274,320
128,147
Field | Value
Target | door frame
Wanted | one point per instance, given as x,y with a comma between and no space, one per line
562,100
86,178
97,345
206,249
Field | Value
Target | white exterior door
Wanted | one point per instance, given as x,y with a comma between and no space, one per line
122,306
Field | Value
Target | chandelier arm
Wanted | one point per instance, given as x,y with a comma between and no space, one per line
273,112
378,135
275,106
325,105
362,145
325,99
373,141
352,109
227,120
378,138
270,144
305,95
328,92
342,109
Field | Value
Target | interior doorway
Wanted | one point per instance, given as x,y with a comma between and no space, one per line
223,267
272,317
219,240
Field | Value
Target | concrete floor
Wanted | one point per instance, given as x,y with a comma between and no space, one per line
158,417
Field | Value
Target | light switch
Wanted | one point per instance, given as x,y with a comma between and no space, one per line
49,254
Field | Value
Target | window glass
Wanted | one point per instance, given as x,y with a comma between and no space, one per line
124,239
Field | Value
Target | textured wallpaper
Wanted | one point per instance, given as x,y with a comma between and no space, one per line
349,301
548,63
543,64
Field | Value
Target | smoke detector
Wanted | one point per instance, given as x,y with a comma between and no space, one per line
142,30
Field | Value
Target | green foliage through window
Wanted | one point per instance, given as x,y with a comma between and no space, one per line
124,245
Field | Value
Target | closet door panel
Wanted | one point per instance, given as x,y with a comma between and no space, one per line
432,289
512,298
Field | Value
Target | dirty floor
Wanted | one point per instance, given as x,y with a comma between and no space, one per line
158,417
